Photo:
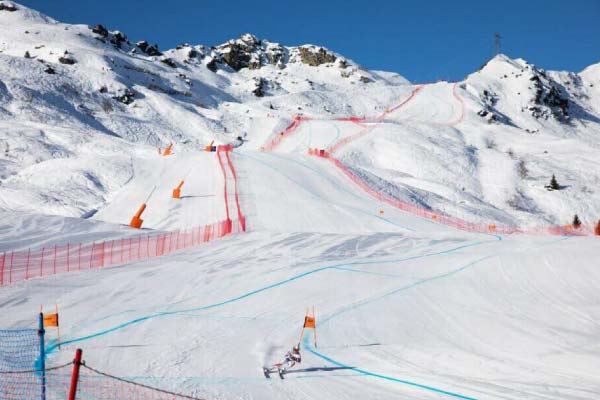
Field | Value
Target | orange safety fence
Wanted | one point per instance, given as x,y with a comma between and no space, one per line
455,222
296,122
17,266
424,212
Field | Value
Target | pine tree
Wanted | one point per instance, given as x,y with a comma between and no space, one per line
576,221
554,183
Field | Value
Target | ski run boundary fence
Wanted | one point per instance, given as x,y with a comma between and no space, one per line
16,266
368,124
76,380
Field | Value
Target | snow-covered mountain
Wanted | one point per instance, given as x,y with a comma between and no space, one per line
77,103
406,306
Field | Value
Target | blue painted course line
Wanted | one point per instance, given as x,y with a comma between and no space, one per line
324,320
352,307
135,321
384,377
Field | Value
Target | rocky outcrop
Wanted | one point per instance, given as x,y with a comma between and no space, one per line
260,86
118,39
125,96
148,49
549,98
241,53
315,56
489,111
100,30
168,61
8,7
67,59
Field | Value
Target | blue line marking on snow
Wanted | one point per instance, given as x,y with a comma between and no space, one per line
384,377
324,320
135,321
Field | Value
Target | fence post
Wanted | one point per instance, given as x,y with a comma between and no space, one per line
2,268
103,254
42,262
92,255
75,375
27,264
12,254
112,243
42,356
54,262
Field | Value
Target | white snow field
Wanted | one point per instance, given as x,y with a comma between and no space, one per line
406,308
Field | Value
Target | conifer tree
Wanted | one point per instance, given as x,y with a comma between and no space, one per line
576,221
554,183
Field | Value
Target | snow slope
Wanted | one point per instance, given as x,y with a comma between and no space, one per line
74,124
406,307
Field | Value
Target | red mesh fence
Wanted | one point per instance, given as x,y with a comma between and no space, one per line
412,208
92,385
16,266
297,121
454,221
28,385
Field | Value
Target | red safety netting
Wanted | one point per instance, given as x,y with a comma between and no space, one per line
55,384
296,122
28,385
98,385
16,266
454,221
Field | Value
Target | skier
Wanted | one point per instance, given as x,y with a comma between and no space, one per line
290,359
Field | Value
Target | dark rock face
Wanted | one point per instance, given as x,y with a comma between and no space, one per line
489,112
100,30
365,79
236,56
315,56
149,50
259,90
276,55
550,94
170,62
212,65
126,97
50,70
250,52
8,7
67,60
118,39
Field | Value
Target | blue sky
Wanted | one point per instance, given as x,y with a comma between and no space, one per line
422,40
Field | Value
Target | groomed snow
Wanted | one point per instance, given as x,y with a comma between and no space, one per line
405,307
